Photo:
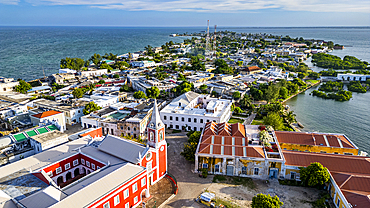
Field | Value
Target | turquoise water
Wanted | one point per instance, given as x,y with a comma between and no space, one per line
24,51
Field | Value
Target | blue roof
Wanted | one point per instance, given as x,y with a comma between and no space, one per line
39,88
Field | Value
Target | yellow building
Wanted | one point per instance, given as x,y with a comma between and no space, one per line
349,184
316,142
229,149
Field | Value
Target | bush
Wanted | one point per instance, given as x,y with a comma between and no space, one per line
204,172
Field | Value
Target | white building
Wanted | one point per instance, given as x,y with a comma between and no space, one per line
142,63
191,111
90,73
352,77
7,84
64,71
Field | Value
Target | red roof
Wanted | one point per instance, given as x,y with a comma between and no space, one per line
46,114
227,139
317,139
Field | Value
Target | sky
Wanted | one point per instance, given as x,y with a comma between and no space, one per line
180,13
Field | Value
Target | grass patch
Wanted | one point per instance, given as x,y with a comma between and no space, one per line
235,120
226,203
312,81
241,115
218,178
176,131
320,202
234,180
257,122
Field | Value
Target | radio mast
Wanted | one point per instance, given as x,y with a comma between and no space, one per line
207,40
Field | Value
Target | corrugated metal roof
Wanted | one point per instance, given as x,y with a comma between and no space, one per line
122,148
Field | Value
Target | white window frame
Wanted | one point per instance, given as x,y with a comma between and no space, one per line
149,166
75,162
143,182
58,170
136,199
126,193
67,166
93,166
87,163
127,205
116,200
83,161
106,205
134,187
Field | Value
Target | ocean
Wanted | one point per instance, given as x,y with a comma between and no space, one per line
26,51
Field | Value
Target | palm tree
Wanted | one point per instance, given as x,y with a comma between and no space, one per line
91,88
290,117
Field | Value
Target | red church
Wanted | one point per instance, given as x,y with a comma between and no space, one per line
88,172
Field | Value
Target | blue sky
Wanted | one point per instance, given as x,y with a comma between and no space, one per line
185,12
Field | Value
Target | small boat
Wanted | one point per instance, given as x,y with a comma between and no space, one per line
300,125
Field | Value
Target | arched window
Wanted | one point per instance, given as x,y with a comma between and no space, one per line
151,136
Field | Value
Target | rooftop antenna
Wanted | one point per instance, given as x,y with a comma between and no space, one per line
207,40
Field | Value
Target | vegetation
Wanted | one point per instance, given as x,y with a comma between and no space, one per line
236,95
152,92
222,67
23,87
90,107
72,63
341,95
355,86
183,88
139,95
266,201
191,146
78,92
116,76
331,86
96,58
125,88
235,120
330,61
315,175
273,119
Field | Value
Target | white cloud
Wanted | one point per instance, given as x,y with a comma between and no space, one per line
222,6
9,2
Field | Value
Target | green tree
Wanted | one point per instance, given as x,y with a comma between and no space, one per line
290,117
191,146
152,92
121,65
283,92
104,76
96,58
273,119
139,95
236,95
314,175
90,107
101,81
181,78
116,76
72,63
266,201
272,93
23,87
78,92
125,88
245,102
238,110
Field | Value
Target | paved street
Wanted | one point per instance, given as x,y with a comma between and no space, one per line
190,184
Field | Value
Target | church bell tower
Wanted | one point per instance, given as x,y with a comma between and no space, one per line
156,129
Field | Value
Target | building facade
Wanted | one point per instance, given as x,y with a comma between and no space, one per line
101,172
191,111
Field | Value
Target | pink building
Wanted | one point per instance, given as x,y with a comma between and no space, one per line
89,172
